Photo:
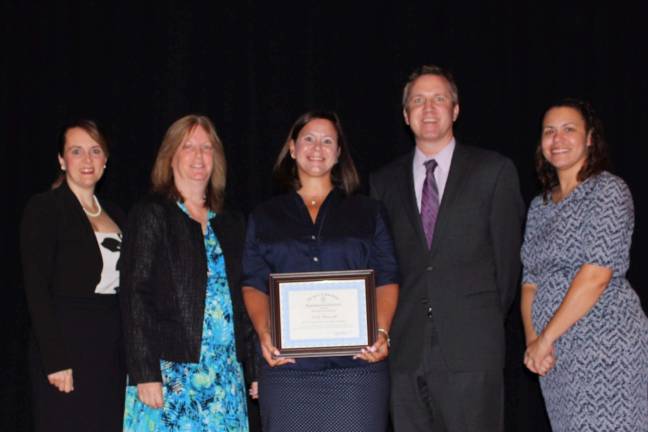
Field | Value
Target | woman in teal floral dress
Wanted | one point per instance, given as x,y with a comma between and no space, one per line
186,330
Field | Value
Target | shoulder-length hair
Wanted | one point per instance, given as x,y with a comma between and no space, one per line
343,175
597,155
162,175
91,128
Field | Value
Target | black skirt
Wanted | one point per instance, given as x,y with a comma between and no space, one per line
345,399
92,332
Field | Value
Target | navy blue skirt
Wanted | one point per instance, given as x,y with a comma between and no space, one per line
345,399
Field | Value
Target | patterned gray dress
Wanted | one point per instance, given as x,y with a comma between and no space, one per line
600,381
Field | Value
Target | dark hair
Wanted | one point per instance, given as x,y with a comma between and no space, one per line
597,157
343,175
91,128
162,174
431,70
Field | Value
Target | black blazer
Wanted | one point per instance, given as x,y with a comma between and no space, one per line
164,275
470,276
60,258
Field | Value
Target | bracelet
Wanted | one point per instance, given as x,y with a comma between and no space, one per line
383,331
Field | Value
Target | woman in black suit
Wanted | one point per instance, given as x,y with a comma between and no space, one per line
70,245
186,329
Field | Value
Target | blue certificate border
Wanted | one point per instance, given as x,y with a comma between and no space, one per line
311,279
357,285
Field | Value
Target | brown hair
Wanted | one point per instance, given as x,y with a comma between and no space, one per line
91,128
597,156
343,175
431,70
162,174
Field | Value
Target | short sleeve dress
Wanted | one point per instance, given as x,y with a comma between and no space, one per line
600,381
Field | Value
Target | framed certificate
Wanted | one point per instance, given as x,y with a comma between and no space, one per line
322,314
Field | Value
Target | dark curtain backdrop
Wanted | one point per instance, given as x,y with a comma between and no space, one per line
253,67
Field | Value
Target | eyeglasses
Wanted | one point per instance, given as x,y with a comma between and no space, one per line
420,100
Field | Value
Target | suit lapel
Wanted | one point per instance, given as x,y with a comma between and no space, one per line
458,168
409,199
89,237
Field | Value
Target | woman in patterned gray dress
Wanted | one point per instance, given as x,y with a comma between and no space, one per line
586,334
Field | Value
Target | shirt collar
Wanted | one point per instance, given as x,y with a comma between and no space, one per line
443,158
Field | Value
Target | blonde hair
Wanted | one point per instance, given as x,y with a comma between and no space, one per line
162,175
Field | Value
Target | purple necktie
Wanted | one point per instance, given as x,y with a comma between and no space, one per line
429,201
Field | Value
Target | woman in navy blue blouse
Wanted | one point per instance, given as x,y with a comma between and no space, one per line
320,225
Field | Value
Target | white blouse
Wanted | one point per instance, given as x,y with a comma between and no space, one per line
110,247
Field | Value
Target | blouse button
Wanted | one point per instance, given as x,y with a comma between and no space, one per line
316,259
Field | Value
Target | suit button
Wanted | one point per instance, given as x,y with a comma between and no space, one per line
316,259
313,237
429,268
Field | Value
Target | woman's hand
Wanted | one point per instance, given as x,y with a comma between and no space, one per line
270,352
376,352
583,293
151,394
258,307
540,355
254,390
62,380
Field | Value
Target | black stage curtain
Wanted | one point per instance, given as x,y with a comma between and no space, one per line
253,67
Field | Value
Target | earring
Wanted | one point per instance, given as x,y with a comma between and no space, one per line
104,166
62,168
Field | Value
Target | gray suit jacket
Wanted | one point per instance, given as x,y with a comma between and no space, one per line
470,276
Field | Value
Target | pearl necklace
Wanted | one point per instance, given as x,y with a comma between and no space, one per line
98,212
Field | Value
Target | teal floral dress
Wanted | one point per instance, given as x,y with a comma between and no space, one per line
205,396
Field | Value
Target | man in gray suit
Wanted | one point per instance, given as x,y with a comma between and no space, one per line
456,216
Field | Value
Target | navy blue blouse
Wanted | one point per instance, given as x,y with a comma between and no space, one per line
350,233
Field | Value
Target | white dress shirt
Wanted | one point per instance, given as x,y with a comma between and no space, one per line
443,159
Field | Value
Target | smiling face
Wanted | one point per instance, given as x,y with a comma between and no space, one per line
565,139
430,112
315,150
193,160
83,159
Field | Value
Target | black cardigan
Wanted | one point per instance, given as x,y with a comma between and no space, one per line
164,275
60,258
